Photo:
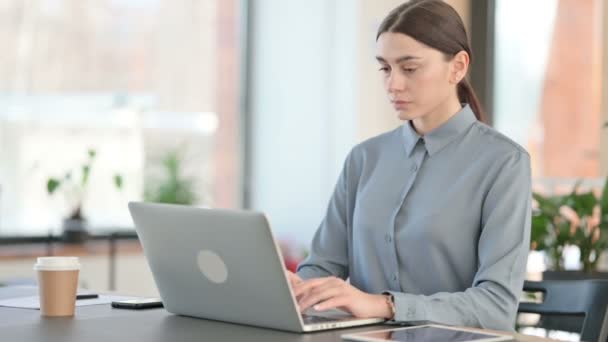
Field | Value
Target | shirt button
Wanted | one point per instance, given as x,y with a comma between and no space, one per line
389,238
414,167
394,277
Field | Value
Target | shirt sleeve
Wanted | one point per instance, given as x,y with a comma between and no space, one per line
329,249
503,248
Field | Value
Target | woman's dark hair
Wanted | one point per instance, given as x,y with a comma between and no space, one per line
435,24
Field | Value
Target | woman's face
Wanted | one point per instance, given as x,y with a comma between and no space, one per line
418,79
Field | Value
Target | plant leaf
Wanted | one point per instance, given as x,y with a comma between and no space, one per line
92,153
86,170
52,184
583,204
539,231
604,203
548,205
563,234
118,181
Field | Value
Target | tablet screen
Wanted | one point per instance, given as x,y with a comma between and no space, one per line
427,334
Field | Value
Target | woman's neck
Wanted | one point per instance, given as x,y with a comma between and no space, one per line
437,116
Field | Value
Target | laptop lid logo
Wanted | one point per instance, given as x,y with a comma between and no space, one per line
212,266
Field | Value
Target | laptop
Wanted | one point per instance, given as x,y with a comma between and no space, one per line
224,265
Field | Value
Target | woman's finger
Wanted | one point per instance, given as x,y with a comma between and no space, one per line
307,285
333,303
320,296
305,297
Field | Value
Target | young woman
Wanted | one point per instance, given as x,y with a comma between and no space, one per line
430,221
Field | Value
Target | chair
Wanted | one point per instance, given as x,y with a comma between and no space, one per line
585,298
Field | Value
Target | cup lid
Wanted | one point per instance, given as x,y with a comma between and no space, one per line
57,263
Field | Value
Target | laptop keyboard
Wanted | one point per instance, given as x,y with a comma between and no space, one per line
310,319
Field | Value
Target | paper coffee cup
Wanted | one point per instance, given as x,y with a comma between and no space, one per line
57,285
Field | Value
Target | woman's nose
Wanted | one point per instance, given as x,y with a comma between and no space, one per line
395,83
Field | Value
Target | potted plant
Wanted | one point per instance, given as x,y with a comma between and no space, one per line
74,191
172,187
575,219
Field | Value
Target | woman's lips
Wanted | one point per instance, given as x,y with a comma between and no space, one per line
400,104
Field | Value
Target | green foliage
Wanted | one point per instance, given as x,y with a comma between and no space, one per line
604,207
173,187
75,191
52,185
552,230
118,181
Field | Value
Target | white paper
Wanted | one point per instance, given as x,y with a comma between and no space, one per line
33,302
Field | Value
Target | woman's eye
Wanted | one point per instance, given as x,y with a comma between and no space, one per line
409,70
384,69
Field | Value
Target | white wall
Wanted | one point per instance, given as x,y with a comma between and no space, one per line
303,74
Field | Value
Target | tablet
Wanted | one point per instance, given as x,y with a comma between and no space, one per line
427,333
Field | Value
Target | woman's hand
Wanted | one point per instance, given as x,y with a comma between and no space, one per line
331,292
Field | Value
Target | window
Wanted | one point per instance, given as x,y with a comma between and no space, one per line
135,80
548,84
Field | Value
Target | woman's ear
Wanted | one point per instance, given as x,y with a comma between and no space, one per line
459,67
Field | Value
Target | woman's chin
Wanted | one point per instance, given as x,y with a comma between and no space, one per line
404,115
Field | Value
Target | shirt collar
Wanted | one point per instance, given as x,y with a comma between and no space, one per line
438,138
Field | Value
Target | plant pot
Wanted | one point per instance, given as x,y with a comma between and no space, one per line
574,275
74,230
602,264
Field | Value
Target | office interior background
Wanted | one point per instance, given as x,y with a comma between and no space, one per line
255,104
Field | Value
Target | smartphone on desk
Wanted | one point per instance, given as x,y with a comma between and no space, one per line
139,303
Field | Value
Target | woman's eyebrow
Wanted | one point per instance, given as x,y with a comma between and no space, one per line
398,60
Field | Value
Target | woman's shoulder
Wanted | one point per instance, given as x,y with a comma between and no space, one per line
496,142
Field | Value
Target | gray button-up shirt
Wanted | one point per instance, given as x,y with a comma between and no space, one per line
441,221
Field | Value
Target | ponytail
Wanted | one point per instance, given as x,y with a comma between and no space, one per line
466,94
